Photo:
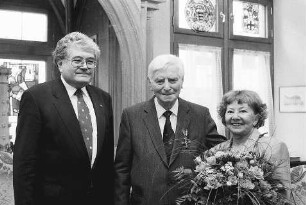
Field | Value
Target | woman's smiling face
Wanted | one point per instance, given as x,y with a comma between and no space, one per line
240,119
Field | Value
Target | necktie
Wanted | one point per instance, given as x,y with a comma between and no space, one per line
168,135
84,121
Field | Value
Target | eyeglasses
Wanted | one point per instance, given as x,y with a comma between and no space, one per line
79,62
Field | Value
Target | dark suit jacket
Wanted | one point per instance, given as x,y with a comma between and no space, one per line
141,161
51,164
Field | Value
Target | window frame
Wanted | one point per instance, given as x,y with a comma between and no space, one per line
177,29
179,35
29,10
269,8
226,41
251,46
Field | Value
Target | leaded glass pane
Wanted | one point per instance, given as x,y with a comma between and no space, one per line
23,25
250,19
203,77
251,71
24,74
198,15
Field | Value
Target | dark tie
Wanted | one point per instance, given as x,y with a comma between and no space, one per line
168,135
84,121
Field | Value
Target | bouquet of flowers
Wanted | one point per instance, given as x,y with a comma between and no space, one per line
224,177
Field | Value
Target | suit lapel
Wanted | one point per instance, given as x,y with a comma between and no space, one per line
151,122
68,116
183,120
100,117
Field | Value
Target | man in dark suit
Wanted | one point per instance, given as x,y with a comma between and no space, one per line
158,136
64,146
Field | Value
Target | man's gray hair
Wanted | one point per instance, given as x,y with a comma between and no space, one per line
74,38
163,62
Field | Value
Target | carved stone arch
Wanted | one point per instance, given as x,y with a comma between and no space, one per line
125,19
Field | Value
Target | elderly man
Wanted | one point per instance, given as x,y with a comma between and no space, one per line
158,136
64,148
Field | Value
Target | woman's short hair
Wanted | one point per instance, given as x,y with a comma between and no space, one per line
249,97
76,39
163,62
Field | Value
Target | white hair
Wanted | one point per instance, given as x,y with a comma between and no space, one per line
163,62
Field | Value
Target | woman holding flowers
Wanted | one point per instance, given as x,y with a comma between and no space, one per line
248,169
243,112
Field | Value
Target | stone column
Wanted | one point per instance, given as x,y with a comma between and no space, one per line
4,106
129,20
148,7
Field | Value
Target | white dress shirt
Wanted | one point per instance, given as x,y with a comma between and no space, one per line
162,119
73,98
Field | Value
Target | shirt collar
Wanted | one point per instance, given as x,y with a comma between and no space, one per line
160,110
71,90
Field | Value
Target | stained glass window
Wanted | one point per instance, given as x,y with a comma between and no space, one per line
234,53
198,15
24,74
250,19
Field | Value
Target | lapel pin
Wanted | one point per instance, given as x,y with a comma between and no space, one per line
186,141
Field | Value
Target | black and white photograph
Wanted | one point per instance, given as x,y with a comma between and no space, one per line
152,102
